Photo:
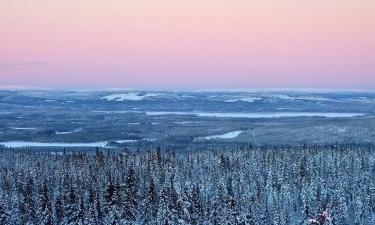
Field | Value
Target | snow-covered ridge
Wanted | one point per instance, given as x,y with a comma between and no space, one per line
249,99
303,98
132,96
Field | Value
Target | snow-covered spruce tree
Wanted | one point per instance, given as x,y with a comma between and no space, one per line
217,211
340,208
82,219
44,207
91,210
28,206
111,205
305,211
58,209
150,203
250,217
184,208
4,212
286,183
167,213
233,215
196,206
71,204
130,198
99,210
276,215
264,217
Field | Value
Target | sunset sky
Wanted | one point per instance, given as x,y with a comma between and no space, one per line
188,43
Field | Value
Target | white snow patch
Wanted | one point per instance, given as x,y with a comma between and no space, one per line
185,122
134,123
341,130
133,96
56,153
125,141
23,128
19,144
282,97
304,98
150,139
64,132
250,99
67,132
229,135
361,100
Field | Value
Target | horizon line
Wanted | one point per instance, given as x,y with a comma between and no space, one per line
187,89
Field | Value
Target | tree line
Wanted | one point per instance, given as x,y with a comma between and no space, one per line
330,184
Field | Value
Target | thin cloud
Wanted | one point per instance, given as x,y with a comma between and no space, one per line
18,64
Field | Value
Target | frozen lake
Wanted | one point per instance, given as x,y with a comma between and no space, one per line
260,115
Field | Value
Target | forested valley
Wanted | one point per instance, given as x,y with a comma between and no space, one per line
315,184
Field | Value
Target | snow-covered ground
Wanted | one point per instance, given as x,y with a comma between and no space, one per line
132,96
68,132
259,115
19,144
186,122
125,141
135,123
150,139
250,99
23,128
229,135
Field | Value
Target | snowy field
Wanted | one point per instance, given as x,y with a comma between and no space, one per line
81,118
260,115
19,144
229,135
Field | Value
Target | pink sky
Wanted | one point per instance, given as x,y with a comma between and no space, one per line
188,43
